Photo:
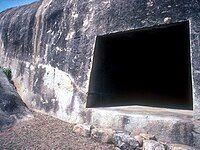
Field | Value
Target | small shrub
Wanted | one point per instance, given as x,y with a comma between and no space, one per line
7,72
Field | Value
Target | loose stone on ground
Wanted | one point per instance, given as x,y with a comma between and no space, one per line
102,135
124,140
82,129
152,145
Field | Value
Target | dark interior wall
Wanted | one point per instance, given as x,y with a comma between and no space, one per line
150,66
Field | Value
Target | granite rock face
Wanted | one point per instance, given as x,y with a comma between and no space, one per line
50,44
12,107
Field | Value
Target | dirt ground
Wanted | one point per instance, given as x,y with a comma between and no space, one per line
46,133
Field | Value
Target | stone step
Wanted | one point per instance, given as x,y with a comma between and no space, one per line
168,125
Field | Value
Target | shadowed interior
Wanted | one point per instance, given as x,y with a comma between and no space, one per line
148,67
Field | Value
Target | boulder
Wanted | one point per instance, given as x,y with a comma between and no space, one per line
12,108
125,141
102,135
139,139
152,145
83,129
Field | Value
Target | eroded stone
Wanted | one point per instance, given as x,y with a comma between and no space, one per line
12,108
180,147
102,135
139,139
82,129
125,141
152,145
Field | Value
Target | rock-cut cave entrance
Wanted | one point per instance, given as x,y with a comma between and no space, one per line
147,67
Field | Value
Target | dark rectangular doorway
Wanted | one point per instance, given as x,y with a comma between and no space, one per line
148,67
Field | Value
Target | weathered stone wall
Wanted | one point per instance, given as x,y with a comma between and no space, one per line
49,44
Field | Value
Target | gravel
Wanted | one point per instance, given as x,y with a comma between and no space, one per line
44,133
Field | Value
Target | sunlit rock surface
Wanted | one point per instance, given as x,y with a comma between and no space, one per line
49,45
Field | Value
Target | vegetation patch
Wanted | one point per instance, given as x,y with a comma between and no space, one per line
7,72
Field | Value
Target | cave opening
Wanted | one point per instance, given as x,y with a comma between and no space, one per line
147,67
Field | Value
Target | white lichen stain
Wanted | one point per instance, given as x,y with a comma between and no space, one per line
39,27
46,52
58,49
27,64
167,20
44,101
87,21
74,15
63,86
31,67
52,33
36,81
1,49
150,3
106,2
77,108
49,31
70,35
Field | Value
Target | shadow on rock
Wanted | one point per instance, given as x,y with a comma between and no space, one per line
12,108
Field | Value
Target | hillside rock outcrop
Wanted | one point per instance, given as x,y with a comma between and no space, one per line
12,108
49,45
